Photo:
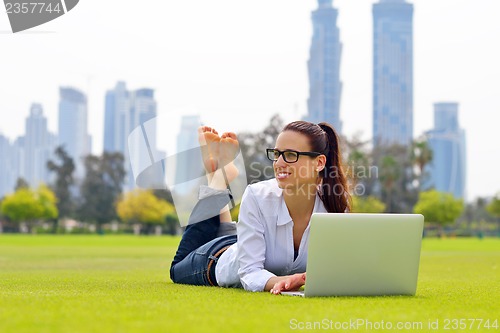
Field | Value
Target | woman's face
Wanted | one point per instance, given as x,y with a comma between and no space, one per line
305,170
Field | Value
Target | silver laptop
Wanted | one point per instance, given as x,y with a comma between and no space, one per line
363,255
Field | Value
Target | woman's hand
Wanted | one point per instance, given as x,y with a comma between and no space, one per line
292,282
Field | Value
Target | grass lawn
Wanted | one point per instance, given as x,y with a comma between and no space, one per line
120,284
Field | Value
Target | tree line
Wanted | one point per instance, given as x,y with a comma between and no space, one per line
97,200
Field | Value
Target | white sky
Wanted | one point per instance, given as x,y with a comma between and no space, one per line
238,62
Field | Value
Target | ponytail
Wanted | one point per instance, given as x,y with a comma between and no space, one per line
334,193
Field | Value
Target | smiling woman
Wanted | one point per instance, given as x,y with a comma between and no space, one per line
269,251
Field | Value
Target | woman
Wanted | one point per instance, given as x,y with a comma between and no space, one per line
273,229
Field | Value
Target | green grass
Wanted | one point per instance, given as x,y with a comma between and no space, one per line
120,284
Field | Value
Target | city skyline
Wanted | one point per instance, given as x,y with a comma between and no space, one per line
261,71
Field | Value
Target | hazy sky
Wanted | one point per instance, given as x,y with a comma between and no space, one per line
235,63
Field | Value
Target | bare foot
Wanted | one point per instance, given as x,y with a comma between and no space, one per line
217,153
209,142
228,150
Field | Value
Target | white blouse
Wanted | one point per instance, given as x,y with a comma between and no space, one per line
265,240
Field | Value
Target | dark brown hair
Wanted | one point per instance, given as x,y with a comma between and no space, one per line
324,139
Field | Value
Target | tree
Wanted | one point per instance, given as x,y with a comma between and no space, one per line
143,207
361,168
235,212
253,147
47,198
494,209
2,216
439,207
357,163
494,206
28,206
164,194
476,212
21,183
172,225
390,173
356,157
368,204
420,156
396,177
63,183
101,188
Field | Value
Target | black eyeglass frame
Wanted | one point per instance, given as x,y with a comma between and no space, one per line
282,153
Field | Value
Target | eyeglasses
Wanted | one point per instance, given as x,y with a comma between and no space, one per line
290,156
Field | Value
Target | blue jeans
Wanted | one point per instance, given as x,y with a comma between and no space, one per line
196,257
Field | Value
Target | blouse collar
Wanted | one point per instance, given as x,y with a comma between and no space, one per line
284,215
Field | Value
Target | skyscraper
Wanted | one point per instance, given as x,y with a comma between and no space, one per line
127,113
325,87
447,170
142,148
8,173
187,151
392,72
73,132
38,147
116,109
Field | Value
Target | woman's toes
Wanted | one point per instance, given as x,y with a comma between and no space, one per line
230,135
